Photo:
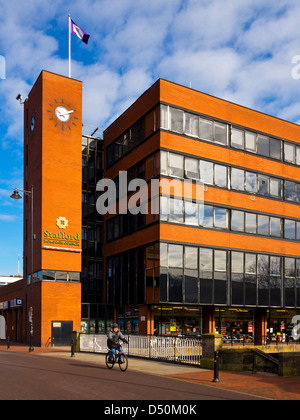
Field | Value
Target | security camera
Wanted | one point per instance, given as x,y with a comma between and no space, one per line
19,98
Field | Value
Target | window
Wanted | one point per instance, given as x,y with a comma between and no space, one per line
205,263
250,279
237,220
191,124
175,284
164,120
176,120
164,208
263,184
250,182
163,254
263,279
175,256
298,230
206,172
237,277
220,175
289,281
237,138
275,281
206,129
275,226
206,215
237,179
262,225
176,165
250,141
275,187
191,213
275,148
290,191
237,265
275,263
262,145
289,267
289,152
297,155
297,186
220,218
289,229
221,133
250,223
48,275
191,258
191,274
164,162
250,263
220,268
191,168
176,210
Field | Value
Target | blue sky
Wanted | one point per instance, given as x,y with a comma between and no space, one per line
241,51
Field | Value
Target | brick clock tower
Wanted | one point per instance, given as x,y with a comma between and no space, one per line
53,168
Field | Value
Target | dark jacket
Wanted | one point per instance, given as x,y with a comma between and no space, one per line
113,339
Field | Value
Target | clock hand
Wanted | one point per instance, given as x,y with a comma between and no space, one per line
66,113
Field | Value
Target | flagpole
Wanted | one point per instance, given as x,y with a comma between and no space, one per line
69,46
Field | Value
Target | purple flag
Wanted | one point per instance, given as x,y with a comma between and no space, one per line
79,32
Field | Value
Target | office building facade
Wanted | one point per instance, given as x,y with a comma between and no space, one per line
223,256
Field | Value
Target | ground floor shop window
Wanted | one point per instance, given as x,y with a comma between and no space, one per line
177,320
128,319
235,324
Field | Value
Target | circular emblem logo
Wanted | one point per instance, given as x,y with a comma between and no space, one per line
62,223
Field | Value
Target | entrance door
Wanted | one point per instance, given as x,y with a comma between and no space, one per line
61,333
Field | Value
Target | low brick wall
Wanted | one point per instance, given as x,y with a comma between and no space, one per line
241,360
289,364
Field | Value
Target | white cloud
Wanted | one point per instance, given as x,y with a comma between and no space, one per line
237,50
7,217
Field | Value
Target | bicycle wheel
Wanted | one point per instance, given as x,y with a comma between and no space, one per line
123,362
109,364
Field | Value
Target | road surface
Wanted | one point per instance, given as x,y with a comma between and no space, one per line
35,377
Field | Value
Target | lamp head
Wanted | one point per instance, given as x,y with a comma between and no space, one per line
16,195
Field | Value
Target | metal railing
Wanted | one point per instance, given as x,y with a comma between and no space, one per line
175,349
259,340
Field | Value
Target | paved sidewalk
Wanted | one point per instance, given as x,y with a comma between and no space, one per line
261,385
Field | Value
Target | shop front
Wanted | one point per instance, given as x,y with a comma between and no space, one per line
280,324
235,324
128,319
177,320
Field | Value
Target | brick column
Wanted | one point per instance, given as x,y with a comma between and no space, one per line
260,326
208,320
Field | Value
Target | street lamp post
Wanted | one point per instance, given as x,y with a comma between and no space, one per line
16,196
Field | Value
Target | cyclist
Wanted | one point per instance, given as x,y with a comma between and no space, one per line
113,341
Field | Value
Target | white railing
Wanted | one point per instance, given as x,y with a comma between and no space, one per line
176,349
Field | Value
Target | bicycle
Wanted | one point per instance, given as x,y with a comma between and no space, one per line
120,358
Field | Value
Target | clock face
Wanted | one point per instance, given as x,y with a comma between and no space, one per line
62,114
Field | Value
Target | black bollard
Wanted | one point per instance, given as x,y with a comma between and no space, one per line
72,349
8,344
216,367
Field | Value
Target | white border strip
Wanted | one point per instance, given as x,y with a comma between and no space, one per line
62,249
